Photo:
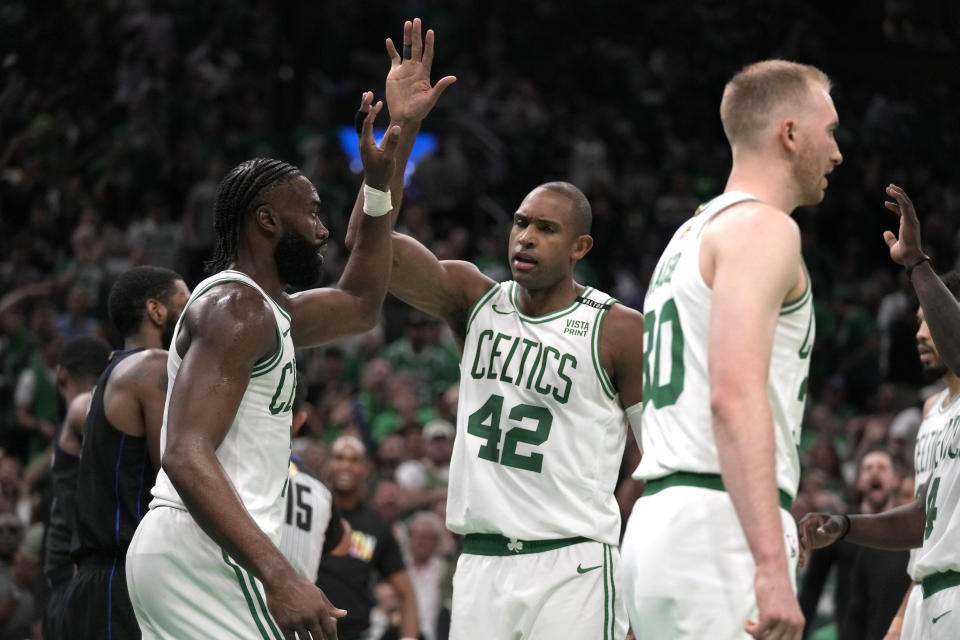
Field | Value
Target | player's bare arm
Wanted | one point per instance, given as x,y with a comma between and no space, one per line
135,395
223,335
409,99
752,254
621,353
319,316
71,435
898,528
941,310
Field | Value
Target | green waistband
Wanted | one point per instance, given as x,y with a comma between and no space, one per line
939,582
493,544
702,480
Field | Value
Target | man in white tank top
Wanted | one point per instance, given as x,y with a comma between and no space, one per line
932,522
938,410
204,562
710,547
550,371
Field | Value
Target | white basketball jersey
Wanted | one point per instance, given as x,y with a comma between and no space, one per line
308,510
940,551
677,433
924,452
540,430
256,450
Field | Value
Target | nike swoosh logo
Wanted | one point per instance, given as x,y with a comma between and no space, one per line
503,313
581,570
940,616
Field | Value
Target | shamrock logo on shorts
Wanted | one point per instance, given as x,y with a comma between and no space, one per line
514,545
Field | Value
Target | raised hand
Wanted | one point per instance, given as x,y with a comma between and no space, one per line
905,249
409,94
302,610
379,162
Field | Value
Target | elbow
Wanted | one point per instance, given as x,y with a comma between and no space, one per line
177,465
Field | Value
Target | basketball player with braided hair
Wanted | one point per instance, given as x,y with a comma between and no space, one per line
204,562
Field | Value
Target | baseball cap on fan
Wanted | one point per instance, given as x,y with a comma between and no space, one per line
438,429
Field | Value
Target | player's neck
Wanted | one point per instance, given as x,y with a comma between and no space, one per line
540,302
952,382
143,339
769,181
262,269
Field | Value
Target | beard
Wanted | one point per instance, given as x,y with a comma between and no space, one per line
168,329
298,261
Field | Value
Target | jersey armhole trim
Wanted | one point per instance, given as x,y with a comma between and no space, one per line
595,341
482,300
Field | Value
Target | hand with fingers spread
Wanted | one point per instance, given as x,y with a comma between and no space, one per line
779,616
301,609
905,249
379,162
409,94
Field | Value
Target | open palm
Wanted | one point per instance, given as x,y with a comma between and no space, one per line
409,94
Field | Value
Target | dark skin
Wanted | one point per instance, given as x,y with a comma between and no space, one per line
900,528
226,332
940,308
544,232
136,391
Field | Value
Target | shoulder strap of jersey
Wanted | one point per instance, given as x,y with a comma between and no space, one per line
721,203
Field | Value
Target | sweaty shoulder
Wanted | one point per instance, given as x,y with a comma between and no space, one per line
232,316
138,366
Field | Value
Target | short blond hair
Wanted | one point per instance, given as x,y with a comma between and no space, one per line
752,95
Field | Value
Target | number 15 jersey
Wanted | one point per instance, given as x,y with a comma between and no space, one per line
540,430
677,430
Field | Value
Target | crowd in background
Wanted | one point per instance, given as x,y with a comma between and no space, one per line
117,120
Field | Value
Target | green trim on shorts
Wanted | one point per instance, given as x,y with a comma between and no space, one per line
493,544
246,595
263,607
606,599
939,582
613,594
704,481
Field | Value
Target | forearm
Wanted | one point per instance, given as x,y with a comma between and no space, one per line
941,312
408,136
745,445
899,528
367,272
212,500
409,622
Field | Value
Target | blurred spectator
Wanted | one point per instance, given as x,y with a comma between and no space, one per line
431,575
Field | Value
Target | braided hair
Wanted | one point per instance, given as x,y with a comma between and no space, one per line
240,192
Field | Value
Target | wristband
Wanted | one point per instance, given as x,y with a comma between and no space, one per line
919,261
375,202
846,530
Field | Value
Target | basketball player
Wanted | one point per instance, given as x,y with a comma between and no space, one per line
120,454
550,372
938,410
204,562
710,548
932,521
81,362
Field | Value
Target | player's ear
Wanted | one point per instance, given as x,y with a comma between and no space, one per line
157,312
581,246
788,134
267,220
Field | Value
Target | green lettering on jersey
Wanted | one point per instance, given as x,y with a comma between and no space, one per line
474,373
506,364
543,367
665,272
563,397
494,353
527,345
485,424
277,405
